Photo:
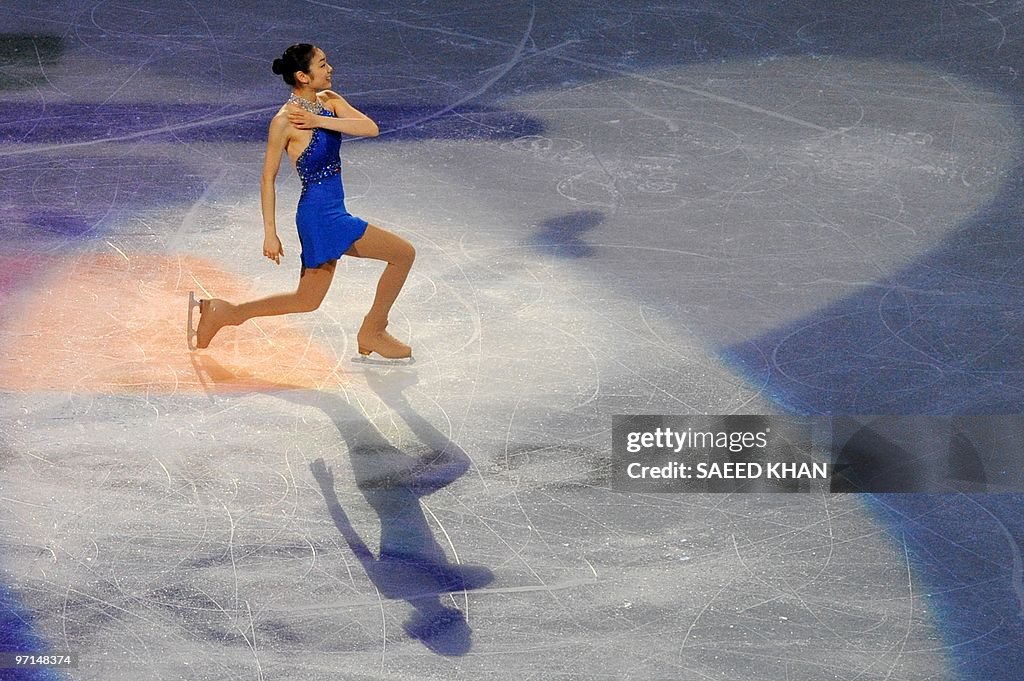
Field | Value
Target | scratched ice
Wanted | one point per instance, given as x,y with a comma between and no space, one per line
617,210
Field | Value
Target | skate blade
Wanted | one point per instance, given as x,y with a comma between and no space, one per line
191,332
383,361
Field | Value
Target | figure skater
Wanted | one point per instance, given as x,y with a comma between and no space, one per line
309,127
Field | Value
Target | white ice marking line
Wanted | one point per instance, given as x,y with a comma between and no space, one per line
125,82
505,68
398,22
202,288
910,613
252,644
1017,574
669,123
560,586
454,552
700,614
42,70
191,216
470,304
64,617
700,93
600,67
383,627
241,632
312,558
167,472
519,503
119,251
231,553
33,149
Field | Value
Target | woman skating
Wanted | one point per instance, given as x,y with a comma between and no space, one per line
308,128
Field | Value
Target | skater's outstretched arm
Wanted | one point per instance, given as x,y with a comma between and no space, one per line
325,478
277,138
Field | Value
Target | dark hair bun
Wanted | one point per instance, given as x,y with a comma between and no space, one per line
295,58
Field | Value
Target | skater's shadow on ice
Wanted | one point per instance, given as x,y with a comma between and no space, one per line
410,564
563,236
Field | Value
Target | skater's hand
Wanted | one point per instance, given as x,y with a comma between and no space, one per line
300,118
273,249
323,475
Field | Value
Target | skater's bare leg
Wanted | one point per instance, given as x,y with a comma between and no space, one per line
314,283
380,244
399,254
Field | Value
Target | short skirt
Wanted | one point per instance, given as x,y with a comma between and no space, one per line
326,228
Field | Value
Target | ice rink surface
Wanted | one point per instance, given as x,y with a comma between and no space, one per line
619,208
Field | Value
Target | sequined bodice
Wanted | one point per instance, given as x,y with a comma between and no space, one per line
321,160
326,229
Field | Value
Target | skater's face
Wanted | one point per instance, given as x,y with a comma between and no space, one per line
319,75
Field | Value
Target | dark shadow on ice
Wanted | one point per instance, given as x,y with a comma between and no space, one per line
942,336
23,56
900,454
410,564
563,236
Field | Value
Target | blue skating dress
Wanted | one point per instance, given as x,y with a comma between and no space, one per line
326,228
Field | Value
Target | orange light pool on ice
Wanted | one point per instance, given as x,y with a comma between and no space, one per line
112,323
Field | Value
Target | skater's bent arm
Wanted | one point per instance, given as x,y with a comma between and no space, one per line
347,119
346,112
